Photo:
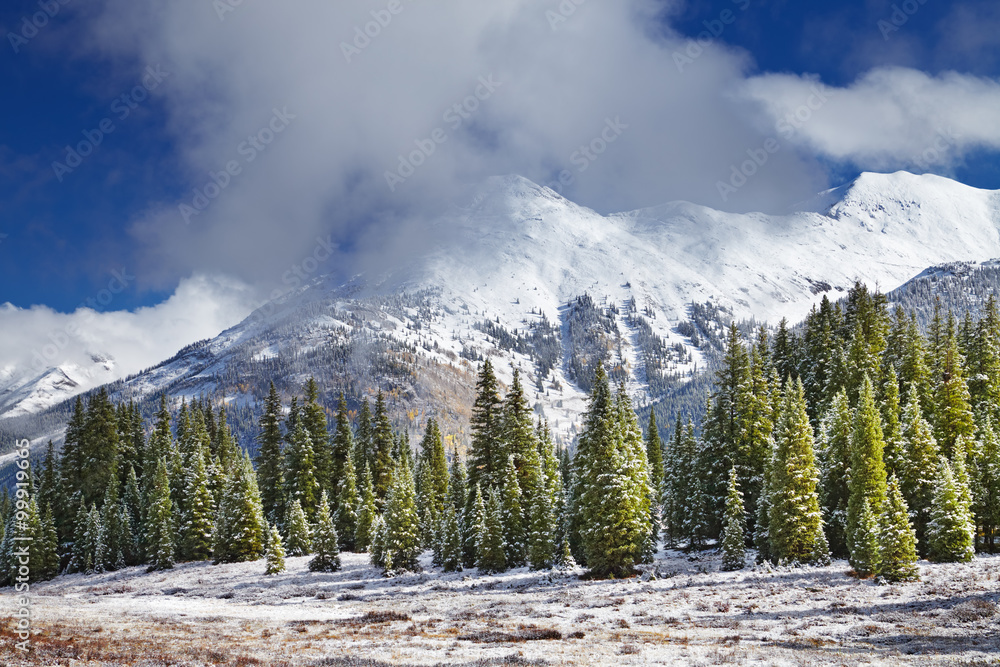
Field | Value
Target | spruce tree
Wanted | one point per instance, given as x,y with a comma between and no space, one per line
541,540
734,527
376,549
897,541
240,525
867,477
49,546
892,430
865,551
343,454
364,442
950,532
796,530
269,458
987,484
612,493
198,521
160,546
402,525
490,548
300,470
458,484
325,542
451,547
299,542
836,430
314,421
274,552
654,455
474,521
367,513
382,444
519,440
512,517
918,467
134,507
952,410
346,515
486,456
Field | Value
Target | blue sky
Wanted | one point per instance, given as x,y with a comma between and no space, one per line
67,233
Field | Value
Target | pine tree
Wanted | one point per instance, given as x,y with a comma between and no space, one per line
99,447
474,521
865,551
867,476
113,538
160,522
897,541
796,530
835,453
733,546
490,548
451,549
950,532
327,558
274,553
299,542
269,458
198,521
402,525
346,515
240,524
367,513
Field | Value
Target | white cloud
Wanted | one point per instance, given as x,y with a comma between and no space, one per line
34,339
890,118
355,114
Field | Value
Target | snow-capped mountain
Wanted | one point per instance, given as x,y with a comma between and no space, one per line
543,284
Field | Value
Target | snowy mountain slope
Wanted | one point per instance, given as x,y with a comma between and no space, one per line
509,277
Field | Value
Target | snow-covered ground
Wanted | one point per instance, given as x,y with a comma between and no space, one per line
684,611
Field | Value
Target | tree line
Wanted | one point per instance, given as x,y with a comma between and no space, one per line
860,436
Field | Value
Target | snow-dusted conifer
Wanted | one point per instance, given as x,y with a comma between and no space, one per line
734,527
325,543
274,553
